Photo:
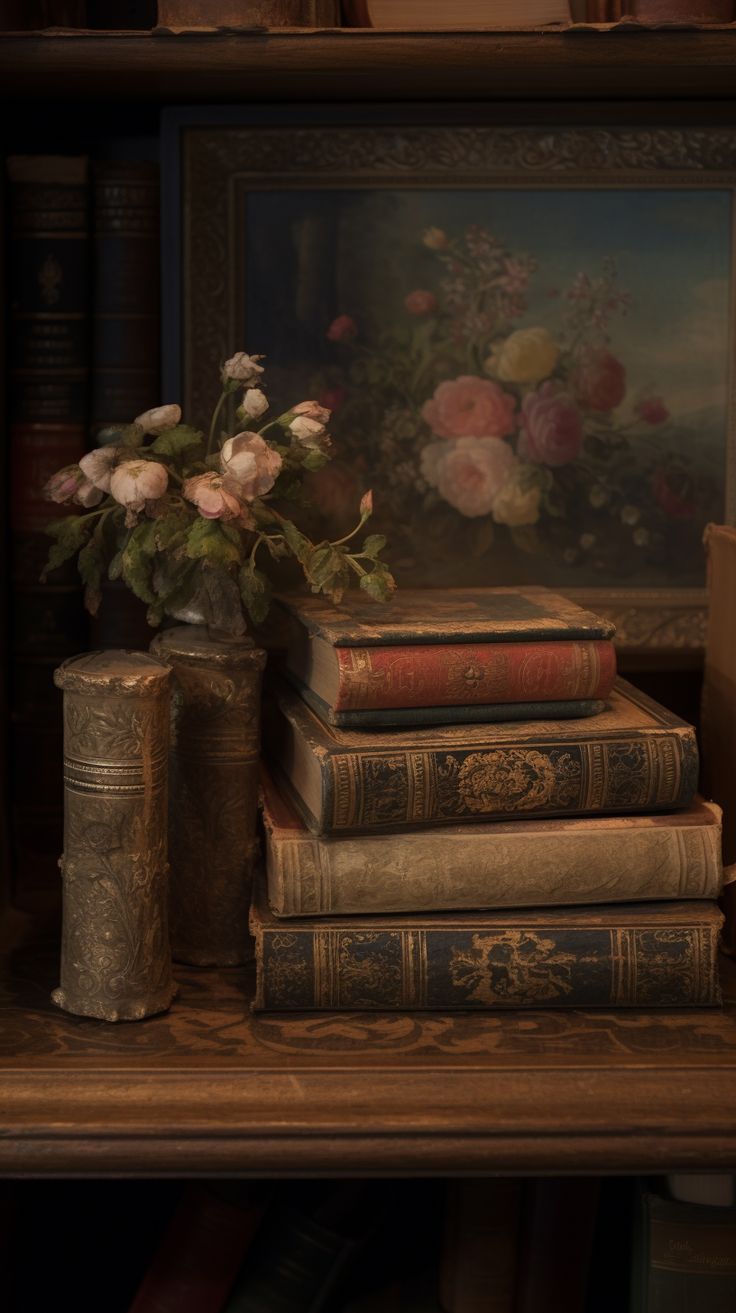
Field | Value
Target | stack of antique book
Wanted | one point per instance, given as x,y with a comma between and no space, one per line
466,809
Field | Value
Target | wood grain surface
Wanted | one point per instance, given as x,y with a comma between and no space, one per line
370,66
208,1088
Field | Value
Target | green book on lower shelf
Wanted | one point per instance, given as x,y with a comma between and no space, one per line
630,955
684,1257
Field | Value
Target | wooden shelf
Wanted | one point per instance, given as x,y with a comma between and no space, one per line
211,1089
370,66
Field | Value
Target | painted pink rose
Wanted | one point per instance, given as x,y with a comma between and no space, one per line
421,302
472,472
250,465
470,407
212,497
599,382
313,410
342,329
652,410
551,426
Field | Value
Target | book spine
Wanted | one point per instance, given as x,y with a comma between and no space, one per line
48,275
480,714
248,13
198,1258
359,969
464,674
126,352
685,1257
480,1247
310,876
378,790
558,1229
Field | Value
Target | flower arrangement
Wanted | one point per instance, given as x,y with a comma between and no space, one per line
182,518
490,426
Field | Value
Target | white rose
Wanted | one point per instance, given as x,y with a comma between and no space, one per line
159,419
472,472
98,465
250,465
430,460
253,405
309,432
135,482
313,410
242,368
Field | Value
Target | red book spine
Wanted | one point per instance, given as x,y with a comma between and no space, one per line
195,1266
469,674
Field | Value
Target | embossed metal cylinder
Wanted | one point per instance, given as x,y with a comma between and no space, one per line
213,771
115,955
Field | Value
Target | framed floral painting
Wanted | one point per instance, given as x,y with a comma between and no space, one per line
525,337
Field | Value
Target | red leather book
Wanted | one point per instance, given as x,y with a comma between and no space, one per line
195,1266
453,647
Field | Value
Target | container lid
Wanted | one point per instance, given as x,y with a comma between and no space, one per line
116,671
196,645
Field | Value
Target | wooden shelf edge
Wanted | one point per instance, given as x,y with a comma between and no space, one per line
369,65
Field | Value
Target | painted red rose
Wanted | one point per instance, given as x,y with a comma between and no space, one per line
652,410
599,381
673,493
420,302
551,426
342,329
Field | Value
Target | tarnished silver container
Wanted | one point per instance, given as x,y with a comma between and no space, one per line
115,955
215,739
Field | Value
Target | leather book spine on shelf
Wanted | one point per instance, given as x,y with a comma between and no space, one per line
634,757
193,14
479,1254
475,714
557,1231
201,1251
49,292
631,955
684,1257
502,864
126,341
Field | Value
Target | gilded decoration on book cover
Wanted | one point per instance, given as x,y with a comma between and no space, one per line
520,412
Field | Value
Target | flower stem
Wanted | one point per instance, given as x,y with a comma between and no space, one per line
339,541
215,417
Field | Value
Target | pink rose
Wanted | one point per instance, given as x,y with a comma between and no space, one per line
552,428
599,382
470,473
470,407
211,496
652,410
342,329
420,302
71,484
313,410
251,466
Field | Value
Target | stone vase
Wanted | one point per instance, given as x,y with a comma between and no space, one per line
213,776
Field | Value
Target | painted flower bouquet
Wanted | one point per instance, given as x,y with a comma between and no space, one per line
181,518
493,434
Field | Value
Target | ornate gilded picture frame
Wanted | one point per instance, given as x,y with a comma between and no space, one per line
525,335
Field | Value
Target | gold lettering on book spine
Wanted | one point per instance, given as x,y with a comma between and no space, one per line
115,958
214,789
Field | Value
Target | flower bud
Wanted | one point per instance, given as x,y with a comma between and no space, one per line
313,410
253,405
159,419
241,369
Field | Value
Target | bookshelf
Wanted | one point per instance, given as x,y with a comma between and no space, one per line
210,1089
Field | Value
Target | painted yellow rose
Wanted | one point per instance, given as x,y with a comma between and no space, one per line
527,356
517,501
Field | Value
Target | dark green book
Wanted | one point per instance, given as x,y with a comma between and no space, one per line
643,955
634,757
487,713
684,1257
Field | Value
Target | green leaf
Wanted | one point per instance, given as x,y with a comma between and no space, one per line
276,548
115,568
374,543
71,534
300,546
255,590
137,561
315,460
175,441
379,584
91,565
328,571
170,532
207,541
185,576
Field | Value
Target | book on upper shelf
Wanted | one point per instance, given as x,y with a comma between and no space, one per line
193,15
454,15
634,757
630,955
598,859
447,648
684,1256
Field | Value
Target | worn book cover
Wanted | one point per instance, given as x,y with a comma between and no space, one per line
684,1257
599,859
634,757
480,713
631,955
